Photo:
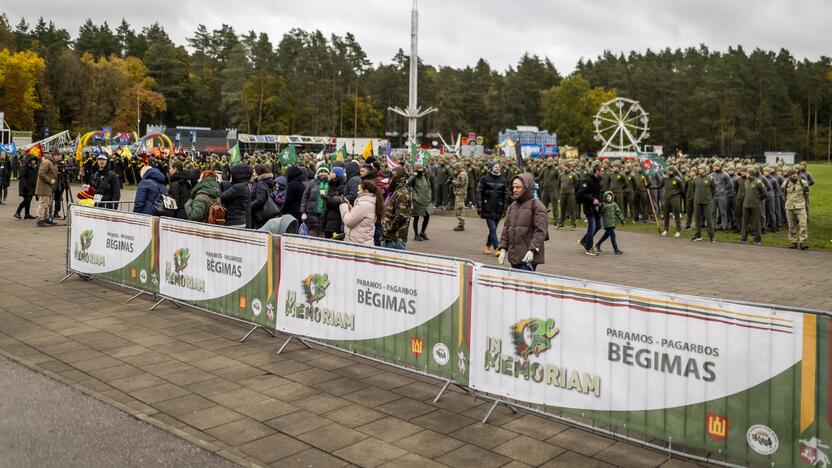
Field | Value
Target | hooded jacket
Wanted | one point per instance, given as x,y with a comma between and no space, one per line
610,211
149,189
203,195
526,225
421,193
360,219
237,198
181,184
353,175
296,178
262,190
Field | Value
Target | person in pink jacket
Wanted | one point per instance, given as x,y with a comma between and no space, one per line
360,218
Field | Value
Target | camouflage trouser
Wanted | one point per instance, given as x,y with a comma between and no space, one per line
798,234
459,207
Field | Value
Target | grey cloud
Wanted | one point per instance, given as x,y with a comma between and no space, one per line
457,33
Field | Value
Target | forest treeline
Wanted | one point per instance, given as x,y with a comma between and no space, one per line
733,102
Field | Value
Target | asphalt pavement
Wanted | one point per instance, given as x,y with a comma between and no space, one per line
44,423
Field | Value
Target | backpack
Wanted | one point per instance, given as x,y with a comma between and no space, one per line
164,205
580,189
215,214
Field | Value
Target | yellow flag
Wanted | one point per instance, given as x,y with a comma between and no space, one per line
368,150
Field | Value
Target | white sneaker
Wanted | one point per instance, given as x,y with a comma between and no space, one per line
664,233
677,235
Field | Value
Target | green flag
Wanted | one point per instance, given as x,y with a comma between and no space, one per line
234,154
340,154
419,155
651,163
288,156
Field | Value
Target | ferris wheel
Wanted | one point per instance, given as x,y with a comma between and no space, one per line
620,125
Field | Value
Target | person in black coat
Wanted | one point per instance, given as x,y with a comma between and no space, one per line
5,176
353,177
491,198
106,184
294,191
26,186
263,188
588,194
237,199
331,222
181,183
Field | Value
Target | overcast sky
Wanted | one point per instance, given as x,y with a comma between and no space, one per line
458,32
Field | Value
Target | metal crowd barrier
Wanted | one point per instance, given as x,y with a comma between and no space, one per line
720,381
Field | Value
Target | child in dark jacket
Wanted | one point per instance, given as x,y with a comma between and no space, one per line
610,213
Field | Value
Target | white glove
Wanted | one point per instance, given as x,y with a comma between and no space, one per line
528,257
303,217
502,258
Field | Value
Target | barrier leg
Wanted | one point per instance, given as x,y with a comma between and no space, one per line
490,411
134,297
444,387
66,277
157,304
494,407
252,331
290,339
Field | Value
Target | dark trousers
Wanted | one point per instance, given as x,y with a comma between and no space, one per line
751,222
549,198
688,212
568,208
671,207
609,233
492,240
57,200
377,235
593,226
720,205
24,205
703,214
524,266
732,212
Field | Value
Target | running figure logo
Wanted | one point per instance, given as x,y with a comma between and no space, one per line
533,336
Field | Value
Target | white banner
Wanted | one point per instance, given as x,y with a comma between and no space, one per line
200,262
339,291
589,346
112,243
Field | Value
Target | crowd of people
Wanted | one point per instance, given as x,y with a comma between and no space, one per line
367,201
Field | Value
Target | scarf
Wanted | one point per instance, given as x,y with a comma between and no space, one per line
319,204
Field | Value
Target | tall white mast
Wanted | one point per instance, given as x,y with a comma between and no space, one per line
413,111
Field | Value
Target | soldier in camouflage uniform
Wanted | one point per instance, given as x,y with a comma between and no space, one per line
617,183
796,193
548,182
672,194
704,189
397,212
754,195
460,186
687,179
568,206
